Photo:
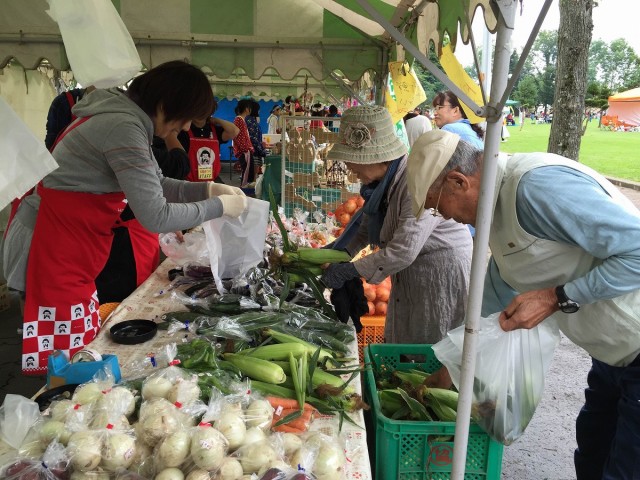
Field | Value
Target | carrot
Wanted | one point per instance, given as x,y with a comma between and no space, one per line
302,422
287,429
277,402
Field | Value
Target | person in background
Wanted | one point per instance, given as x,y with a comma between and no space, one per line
62,233
334,113
179,154
565,246
242,145
60,115
274,119
450,116
428,259
317,111
416,124
255,134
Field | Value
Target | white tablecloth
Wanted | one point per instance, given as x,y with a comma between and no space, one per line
151,300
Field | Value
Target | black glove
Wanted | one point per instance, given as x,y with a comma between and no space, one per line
336,274
349,301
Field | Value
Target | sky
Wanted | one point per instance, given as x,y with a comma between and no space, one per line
612,19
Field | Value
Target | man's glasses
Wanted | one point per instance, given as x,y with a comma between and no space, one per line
435,211
439,107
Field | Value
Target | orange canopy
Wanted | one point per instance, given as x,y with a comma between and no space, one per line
626,106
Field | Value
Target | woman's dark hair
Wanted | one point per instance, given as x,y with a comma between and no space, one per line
255,109
333,110
448,96
243,105
181,89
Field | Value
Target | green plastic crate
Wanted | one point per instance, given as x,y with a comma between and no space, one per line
411,450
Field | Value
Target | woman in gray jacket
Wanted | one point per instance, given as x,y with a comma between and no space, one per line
428,259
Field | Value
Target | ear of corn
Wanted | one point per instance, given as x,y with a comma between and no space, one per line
275,351
286,338
320,377
257,368
314,256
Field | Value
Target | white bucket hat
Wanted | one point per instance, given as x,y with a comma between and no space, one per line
367,135
429,155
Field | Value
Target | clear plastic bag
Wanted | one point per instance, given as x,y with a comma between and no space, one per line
509,373
53,466
99,47
192,250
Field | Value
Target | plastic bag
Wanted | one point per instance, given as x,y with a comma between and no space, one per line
99,47
509,373
24,161
193,248
17,415
53,466
237,244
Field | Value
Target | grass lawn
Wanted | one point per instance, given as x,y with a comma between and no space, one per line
614,154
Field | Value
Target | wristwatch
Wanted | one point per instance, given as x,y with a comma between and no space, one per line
565,304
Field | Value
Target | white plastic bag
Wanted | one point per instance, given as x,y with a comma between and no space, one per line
100,49
237,244
17,415
24,160
509,373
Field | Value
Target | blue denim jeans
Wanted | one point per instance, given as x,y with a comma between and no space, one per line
608,426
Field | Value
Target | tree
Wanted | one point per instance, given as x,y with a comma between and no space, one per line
574,38
527,92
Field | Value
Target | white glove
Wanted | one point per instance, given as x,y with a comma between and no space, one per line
216,189
233,205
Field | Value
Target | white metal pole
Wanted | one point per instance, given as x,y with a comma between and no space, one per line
481,242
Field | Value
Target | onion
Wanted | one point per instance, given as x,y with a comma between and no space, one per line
170,474
185,392
198,474
54,430
104,417
259,414
60,410
84,450
87,393
254,434
277,465
158,418
174,449
230,469
256,455
233,428
96,475
156,387
291,443
119,398
329,462
208,447
119,450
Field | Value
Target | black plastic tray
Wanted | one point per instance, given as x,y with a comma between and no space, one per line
132,332
44,399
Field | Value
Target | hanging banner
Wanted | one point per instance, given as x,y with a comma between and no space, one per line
396,116
461,78
407,88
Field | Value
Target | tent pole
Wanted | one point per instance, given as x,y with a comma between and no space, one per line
481,242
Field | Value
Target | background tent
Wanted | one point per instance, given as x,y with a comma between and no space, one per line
626,106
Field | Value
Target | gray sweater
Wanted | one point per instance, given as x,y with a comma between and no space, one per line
111,152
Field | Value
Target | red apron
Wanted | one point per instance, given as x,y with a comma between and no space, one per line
204,158
70,246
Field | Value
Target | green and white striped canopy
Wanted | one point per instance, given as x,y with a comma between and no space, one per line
256,43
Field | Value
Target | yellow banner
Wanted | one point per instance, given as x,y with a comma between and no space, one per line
407,89
457,74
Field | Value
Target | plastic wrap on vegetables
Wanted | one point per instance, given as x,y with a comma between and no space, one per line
54,465
321,455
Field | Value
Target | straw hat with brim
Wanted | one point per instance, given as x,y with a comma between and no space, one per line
367,135
429,155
